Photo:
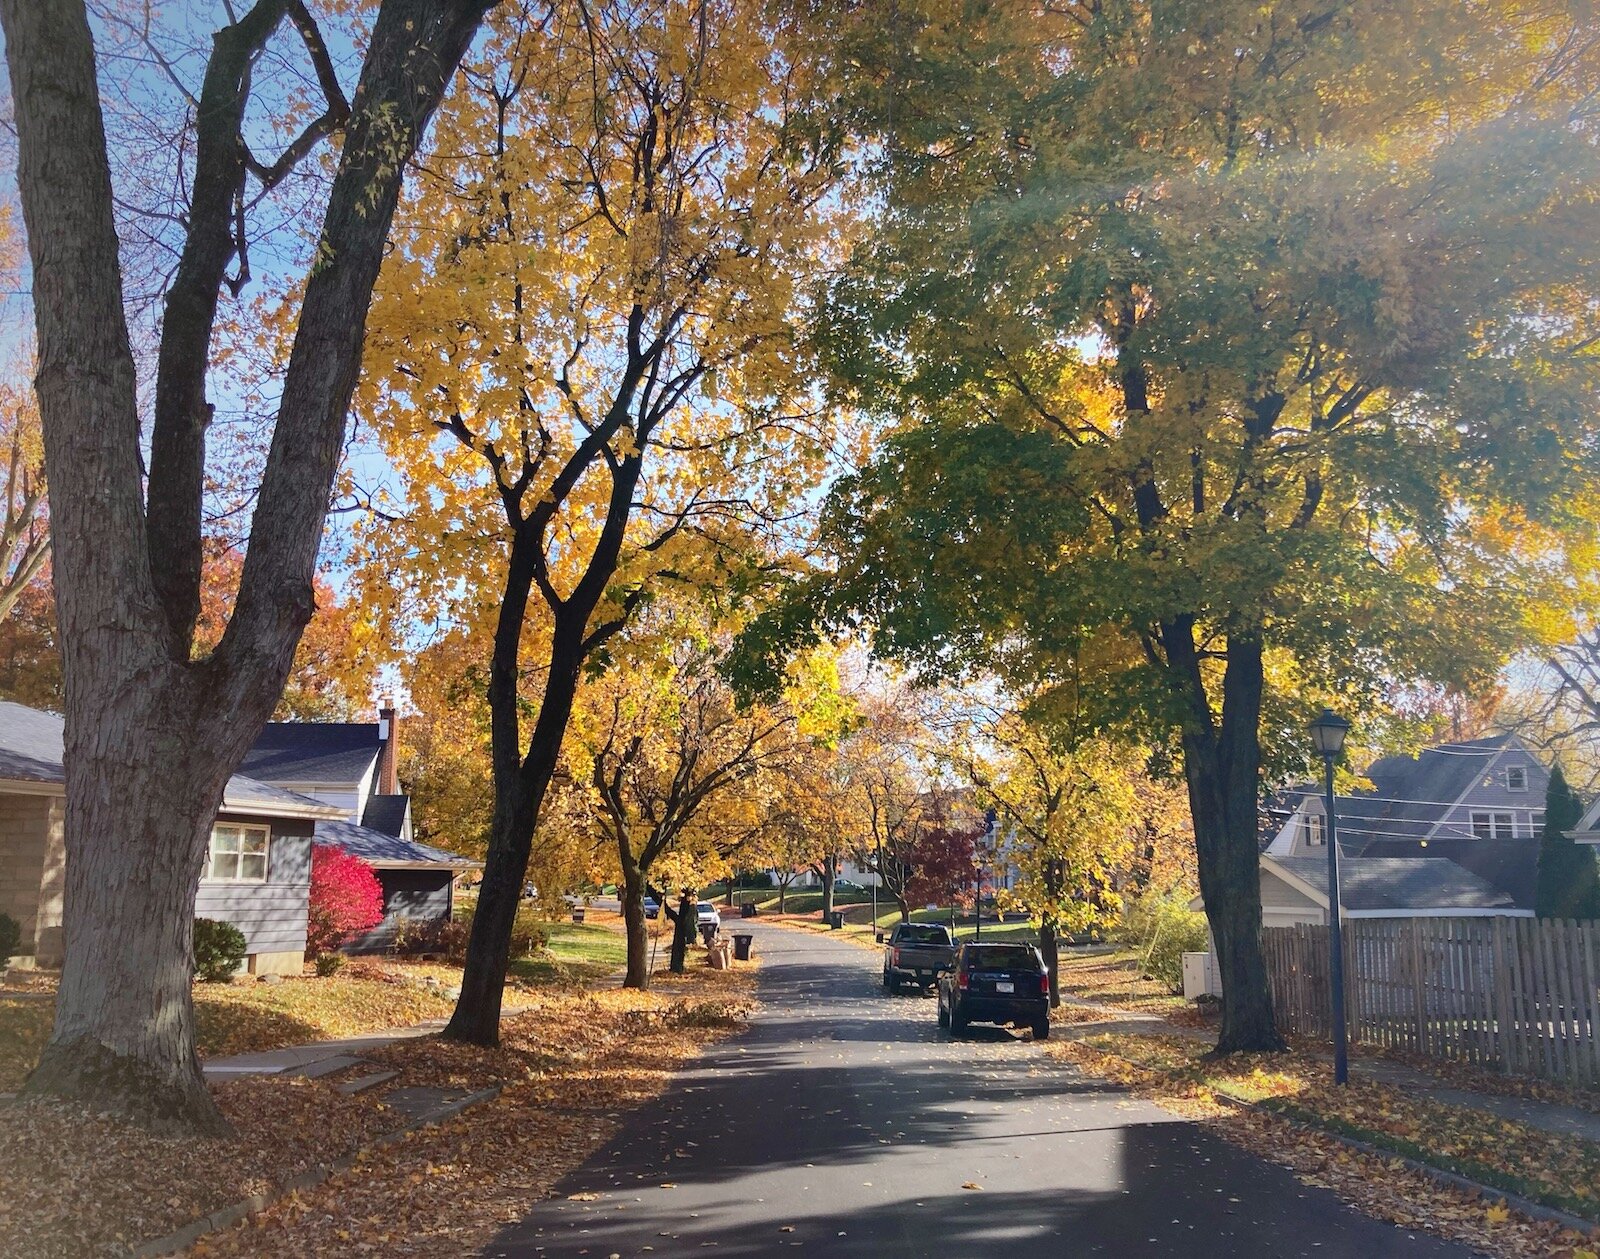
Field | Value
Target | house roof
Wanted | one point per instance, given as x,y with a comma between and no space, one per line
31,752
1396,883
388,851
386,814
325,753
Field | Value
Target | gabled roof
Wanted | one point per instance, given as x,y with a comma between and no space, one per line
324,753
1410,794
386,814
1396,883
31,752
388,852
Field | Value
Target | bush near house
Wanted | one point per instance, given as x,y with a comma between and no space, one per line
1162,928
219,949
10,939
346,899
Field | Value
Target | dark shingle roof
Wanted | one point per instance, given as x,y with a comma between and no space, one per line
1397,883
31,751
386,850
386,814
324,752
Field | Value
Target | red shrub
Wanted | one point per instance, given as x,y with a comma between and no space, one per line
346,899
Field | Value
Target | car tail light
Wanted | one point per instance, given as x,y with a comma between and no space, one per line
963,980
1044,984
894,957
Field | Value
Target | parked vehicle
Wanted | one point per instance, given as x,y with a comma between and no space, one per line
917,953
652,907
706,915
996,983
848,885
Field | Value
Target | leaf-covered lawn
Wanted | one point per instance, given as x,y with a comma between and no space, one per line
366,996
568,1068
1113,979
1558,1170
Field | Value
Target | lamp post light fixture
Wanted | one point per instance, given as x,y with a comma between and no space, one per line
1328,733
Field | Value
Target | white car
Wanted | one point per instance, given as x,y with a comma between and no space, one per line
706,915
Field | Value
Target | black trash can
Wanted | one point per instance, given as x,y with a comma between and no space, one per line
747,910
577,913
708,933
741,947
836,920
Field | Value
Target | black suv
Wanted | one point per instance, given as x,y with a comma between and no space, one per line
996,983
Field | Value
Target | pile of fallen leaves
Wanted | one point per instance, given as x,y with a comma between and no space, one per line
80,1184
1560,1170
570,1067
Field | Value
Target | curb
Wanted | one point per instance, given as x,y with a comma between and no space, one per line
228,1216
1451,1180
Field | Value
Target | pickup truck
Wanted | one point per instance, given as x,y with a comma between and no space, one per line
917,953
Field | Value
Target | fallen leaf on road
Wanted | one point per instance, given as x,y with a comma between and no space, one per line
971,1185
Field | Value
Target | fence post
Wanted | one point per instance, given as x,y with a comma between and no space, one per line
1504,1021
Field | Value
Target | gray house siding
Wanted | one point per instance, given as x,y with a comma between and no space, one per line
418,896
1491,793
272,915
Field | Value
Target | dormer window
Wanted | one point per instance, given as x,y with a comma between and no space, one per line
1313,830
1517,778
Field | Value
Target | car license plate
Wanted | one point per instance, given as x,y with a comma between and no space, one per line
1005,986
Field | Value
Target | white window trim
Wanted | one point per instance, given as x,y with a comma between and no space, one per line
1495,817
1516,769
1314,830
266,851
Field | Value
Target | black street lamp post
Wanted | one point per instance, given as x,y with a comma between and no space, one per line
1328,732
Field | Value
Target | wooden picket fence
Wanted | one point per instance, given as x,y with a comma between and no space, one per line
1516,995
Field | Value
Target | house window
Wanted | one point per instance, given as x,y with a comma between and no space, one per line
1517,778
238,854
1314,831
1488,825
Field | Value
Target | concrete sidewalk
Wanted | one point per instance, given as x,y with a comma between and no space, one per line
299,1057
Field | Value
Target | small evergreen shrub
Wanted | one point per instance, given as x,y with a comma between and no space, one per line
219,949
10,940
329,963
346,899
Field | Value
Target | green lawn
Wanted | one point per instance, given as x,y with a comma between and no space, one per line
575,953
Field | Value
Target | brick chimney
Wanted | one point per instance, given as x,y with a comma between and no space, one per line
388,783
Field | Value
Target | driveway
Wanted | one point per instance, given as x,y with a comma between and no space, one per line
846,1124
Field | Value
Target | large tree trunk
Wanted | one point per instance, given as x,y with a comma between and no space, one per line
151,734
683,932
829,873
637,927
1050,949
124,1022
1222,768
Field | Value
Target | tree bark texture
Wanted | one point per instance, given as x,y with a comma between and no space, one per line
683,929
1222,765
1050,950
152,735
637,926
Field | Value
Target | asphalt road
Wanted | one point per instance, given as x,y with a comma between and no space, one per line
845,1123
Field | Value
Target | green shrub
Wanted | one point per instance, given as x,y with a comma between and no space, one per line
446,939
219,949
10,939
1161,929
528,936
329,963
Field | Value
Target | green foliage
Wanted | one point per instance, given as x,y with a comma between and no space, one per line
329,963
1569,880
219,949
10,939
1162,927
